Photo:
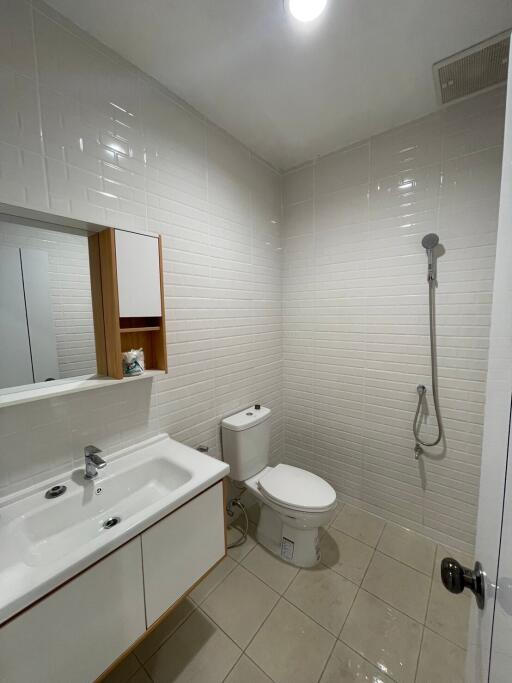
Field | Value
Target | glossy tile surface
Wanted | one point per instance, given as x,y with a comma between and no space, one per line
240,604
269,568
199,651
291,647
323,595
346,666
383,636
323,629
344,555
359,524
408,547
355,303
398,585
440,660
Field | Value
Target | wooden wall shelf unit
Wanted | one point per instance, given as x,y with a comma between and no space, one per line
128,299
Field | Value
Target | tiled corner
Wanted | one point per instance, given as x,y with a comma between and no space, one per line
408,547
399,585
291,647
246,671
212,580
198,651
441,661
124,671
323,595
359,524
157,637
269,568
240,604
344,555
448,614
346,666
383,636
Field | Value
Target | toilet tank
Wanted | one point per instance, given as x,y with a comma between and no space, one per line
246,441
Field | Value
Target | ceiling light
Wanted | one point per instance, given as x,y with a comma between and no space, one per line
306,10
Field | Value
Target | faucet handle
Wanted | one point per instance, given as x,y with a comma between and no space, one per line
91,450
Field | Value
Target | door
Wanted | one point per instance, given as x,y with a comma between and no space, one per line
15,359
43,342
489,655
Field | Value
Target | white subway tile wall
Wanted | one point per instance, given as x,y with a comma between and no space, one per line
84,134
355,310
70,292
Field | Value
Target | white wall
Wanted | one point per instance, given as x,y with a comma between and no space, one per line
118,149
356,313
70,292
494,531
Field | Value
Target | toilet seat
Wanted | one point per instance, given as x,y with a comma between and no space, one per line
296,489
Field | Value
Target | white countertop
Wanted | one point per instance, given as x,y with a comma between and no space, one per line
47,542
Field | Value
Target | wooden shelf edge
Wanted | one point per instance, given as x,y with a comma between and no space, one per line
125,330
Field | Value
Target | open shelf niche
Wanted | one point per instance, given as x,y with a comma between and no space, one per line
115,333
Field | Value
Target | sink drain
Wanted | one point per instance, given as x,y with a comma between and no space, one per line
111,522
55,491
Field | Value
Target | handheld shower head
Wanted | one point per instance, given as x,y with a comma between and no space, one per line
430,242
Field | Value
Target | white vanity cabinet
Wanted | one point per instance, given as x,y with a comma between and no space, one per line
180,549
75,633
138,275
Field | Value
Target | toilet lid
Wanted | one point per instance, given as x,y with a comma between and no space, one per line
297,489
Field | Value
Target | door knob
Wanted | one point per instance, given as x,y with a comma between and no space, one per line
455,578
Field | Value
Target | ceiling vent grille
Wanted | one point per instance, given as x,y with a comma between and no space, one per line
471,71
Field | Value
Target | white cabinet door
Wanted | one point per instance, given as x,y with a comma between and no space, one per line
43,341
181,548
15,360
138,275
74,634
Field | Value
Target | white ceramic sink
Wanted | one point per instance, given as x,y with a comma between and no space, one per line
44,542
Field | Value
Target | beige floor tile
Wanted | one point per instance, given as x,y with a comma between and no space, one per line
384,636
440,660
240,551
448,614
197,651
212,580
411,548
359,524
166,628
123,671
346,666
399,585
246,671
240,604
140,677
269,568
345,555
323,595
290,647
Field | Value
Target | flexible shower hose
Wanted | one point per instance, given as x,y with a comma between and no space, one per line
421,389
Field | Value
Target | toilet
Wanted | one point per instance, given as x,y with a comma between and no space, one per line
294,503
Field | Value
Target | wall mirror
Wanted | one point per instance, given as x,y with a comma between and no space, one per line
47,330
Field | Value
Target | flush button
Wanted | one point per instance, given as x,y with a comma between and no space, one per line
249,414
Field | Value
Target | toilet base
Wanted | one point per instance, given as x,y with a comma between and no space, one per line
298,546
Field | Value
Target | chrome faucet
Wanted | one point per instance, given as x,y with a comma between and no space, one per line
93,462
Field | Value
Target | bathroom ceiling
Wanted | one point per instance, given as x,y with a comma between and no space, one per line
289,91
